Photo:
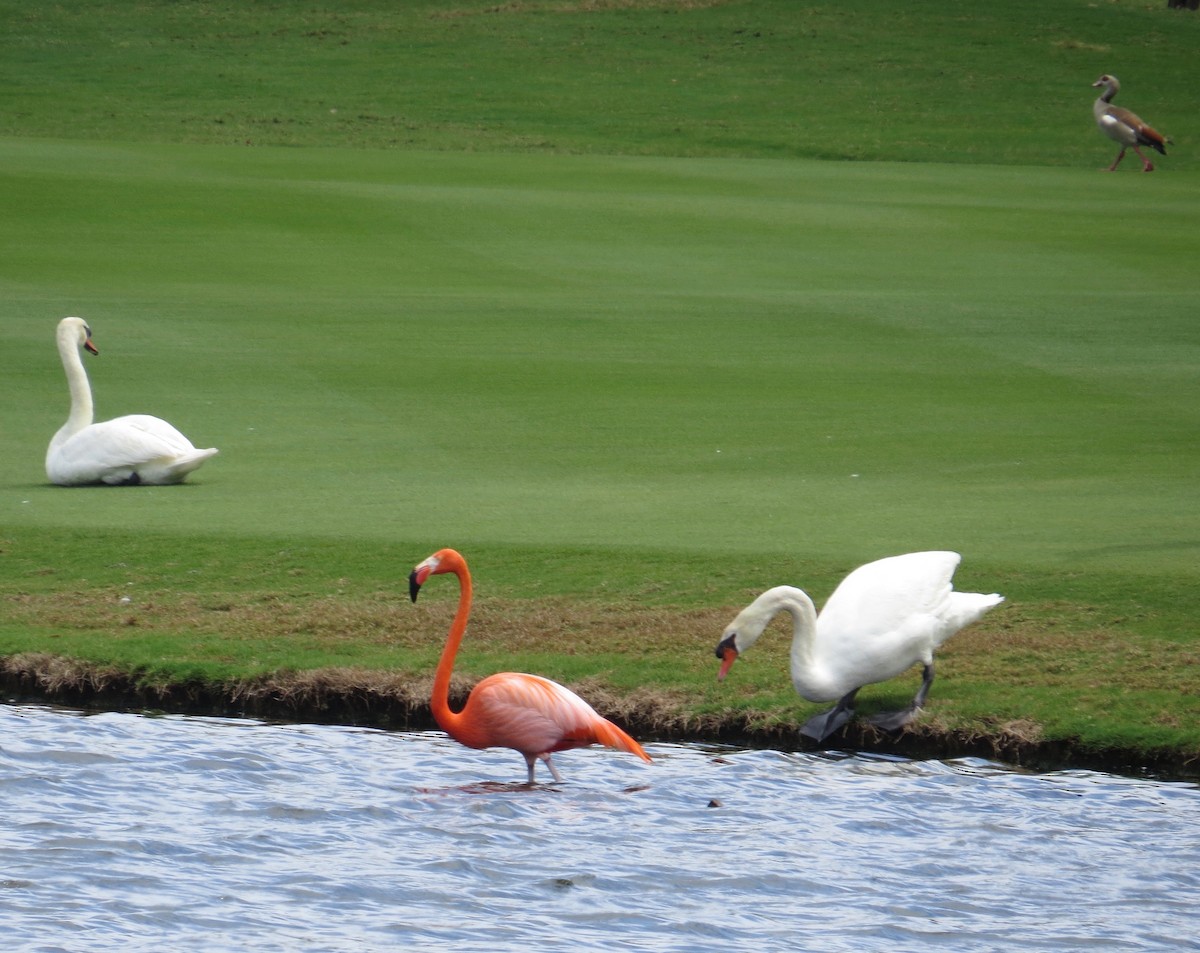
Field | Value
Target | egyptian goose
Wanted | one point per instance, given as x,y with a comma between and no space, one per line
1124,127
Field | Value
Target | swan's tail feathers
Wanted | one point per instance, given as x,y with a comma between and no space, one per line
968,607
611,736
185,463
989,601
175,469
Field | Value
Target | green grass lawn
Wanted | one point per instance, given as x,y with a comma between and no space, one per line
706,355
927,80
620,354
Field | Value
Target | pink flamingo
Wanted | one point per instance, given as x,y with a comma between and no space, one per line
528,713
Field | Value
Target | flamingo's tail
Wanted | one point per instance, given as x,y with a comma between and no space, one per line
611,736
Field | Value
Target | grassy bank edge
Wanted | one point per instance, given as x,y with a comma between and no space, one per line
393,701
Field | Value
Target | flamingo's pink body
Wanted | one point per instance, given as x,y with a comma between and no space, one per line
528,713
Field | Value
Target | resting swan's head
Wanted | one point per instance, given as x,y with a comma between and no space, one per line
76,333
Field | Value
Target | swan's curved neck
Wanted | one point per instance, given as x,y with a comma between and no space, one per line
77,381
804,628
440,701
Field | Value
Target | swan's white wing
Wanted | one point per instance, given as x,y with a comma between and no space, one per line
874,597
886,616
150,432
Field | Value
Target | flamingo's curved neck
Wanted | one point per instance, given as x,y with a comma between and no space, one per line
440,701
77,381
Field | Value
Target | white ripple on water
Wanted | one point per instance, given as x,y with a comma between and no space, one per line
140,833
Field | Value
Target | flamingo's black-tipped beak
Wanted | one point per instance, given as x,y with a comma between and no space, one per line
416,578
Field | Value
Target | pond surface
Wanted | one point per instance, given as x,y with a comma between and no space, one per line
135,833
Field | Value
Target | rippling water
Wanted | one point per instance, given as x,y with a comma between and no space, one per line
124,832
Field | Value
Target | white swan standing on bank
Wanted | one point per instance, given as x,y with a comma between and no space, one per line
884,617
124,451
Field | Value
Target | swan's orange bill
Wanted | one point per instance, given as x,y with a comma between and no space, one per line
727,659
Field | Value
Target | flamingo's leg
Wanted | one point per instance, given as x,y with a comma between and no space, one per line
550,764
532,759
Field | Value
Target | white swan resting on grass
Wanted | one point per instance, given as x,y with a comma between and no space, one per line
883,618
127,450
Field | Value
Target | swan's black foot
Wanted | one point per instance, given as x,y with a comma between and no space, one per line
894,721
822,726
134,479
